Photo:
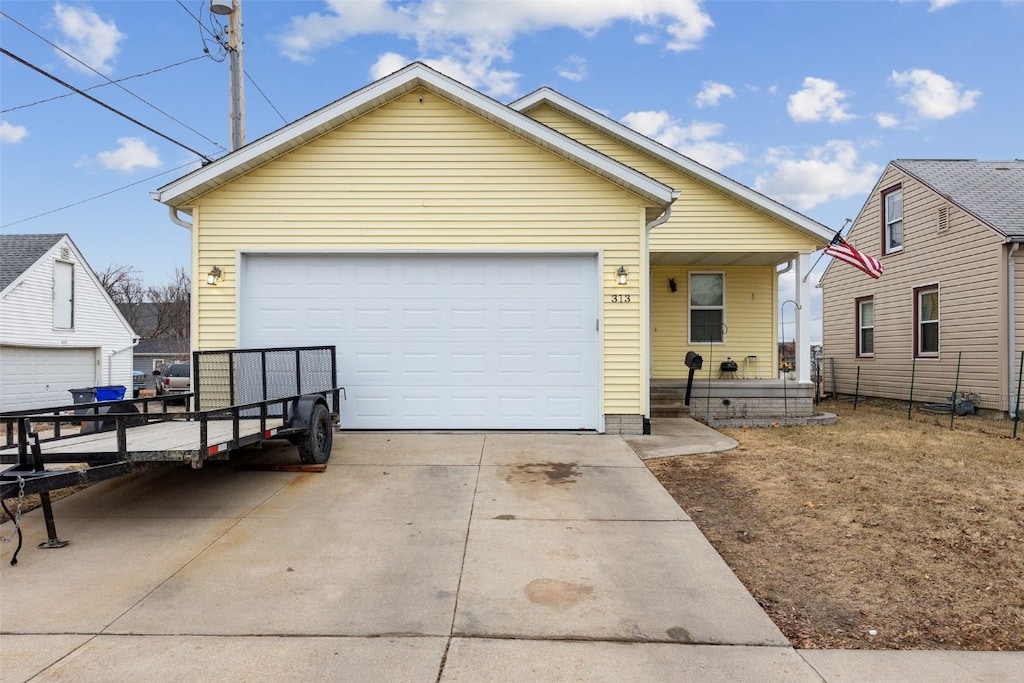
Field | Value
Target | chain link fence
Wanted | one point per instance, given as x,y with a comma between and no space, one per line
944,398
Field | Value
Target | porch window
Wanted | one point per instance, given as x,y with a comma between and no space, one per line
926,321
866,326
707,308
892,220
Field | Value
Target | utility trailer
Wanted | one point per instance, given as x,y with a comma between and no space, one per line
240,397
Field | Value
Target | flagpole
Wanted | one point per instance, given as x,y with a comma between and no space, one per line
822,254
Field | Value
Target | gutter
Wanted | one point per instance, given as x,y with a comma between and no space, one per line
1011,323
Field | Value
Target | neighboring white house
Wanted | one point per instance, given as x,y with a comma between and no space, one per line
59,330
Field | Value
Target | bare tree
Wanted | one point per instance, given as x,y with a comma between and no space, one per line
157,311
124,285
172,303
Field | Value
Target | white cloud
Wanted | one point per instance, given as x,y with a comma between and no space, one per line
86,36
11,134
133,153
932,96
711,93
472,36
886,120
574,68
936,5
829,172
819,99
645,39
388,63
694,140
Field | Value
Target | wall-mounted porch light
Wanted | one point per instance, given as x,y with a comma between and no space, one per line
213,277
622,274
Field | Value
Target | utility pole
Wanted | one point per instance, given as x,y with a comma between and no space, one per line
237,83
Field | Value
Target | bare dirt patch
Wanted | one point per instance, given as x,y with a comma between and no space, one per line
878,532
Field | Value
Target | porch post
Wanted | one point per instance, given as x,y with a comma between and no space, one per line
803,318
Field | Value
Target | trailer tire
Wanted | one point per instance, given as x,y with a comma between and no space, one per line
315,444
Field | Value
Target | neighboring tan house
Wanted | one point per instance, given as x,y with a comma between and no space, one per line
947,233
534,266
59,330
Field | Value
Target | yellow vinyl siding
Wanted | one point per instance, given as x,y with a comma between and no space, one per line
965,262
749,317
703,218
422,173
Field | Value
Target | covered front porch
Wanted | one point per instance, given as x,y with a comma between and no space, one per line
725,307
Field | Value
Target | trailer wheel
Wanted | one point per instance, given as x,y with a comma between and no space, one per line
315,444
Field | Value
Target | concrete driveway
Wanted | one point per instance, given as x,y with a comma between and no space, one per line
414,557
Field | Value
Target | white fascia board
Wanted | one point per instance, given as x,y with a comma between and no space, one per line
671,157
384,90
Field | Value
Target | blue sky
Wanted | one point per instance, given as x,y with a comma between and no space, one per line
804,101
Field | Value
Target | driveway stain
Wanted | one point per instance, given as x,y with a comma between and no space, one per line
560,595
552,473
680,634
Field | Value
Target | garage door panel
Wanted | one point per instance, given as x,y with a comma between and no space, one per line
440,341
41,377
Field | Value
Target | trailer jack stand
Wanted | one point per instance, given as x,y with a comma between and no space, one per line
51,529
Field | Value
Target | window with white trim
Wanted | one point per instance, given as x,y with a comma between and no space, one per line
926,321
707,308
866,327
892,220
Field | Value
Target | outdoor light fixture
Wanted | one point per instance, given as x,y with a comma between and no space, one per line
672,286
623,275
214,276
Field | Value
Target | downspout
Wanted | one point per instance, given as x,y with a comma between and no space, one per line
1011,323
173,214
110,359
789,267
645,405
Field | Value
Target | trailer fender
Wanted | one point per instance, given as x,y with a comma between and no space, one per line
110,424
302,411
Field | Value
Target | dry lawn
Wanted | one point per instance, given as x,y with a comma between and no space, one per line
878,532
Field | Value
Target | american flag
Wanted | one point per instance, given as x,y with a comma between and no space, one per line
842,250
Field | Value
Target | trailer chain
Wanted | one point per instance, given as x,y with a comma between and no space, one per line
16,518
17,512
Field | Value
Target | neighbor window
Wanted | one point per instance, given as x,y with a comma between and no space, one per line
866,326
892,220
926,321
707,307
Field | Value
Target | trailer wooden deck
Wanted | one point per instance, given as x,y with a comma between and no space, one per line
164,440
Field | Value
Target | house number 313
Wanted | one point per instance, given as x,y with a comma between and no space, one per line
620,298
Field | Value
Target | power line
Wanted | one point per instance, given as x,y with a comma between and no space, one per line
102,104
220,41
104,194
103,85
140,99
265,97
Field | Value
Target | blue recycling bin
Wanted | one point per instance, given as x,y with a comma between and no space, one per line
110,393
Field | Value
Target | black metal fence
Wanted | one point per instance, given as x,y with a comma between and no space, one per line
946,398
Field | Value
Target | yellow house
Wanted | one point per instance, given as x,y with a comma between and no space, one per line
477,265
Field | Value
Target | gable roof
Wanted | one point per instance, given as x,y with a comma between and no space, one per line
667,155
20,252
993,191
417,75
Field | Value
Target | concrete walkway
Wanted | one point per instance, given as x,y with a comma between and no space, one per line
414,557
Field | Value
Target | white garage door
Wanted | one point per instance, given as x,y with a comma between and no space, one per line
439,341
41,378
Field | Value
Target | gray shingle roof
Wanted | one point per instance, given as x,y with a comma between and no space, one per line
18,252
991,190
